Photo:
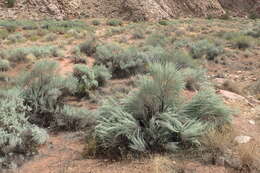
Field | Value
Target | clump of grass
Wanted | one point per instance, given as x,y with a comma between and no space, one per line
225,16
114,22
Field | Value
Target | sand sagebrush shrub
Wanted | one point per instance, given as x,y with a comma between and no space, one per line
102,74
17,135
242,42
194,78
122,62
15,38
205,48
4,65
155,118
20,54
114,22
156,39
89,46
86,79
43,90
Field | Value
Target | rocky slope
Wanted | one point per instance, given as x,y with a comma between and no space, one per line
128,9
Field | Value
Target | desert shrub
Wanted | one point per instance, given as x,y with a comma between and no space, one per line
78,57
14,38
154,117
86,79
10,3
242,42
114,22
194,78
17,135
254,15
254,32
96,22
63,26
207,107
102,74
50,37
156,39
164,22
138,34
43,90
3,33
205,48
121,62
20,54
225,16
89,46
4,65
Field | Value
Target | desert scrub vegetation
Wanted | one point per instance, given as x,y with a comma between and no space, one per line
155,118
15,38
96,22
114,22
10,3
89,46
43,90
3,34
242,42
17,134
156,39
205,48
4,65
122,62
89,79
20,54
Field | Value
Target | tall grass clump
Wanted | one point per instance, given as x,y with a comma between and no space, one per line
155,117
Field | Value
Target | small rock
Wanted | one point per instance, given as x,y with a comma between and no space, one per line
251,122
243,139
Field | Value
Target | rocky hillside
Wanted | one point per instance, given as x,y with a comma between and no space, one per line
128,9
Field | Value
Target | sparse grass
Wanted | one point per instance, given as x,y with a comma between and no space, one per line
164,22
138,33
15,38
3,33
242,42
96,22
156,39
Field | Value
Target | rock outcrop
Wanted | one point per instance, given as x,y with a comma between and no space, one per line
127,9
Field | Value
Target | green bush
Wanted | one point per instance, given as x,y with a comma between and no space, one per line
10,3
102,74
242,42
15,38
154,117
205,48
96,22
89,46
3,33
194,78
43,90
17,135
254,32
20,54
156,40
4,65
86,79
50,37
121,62
164,22
138,34
114,22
